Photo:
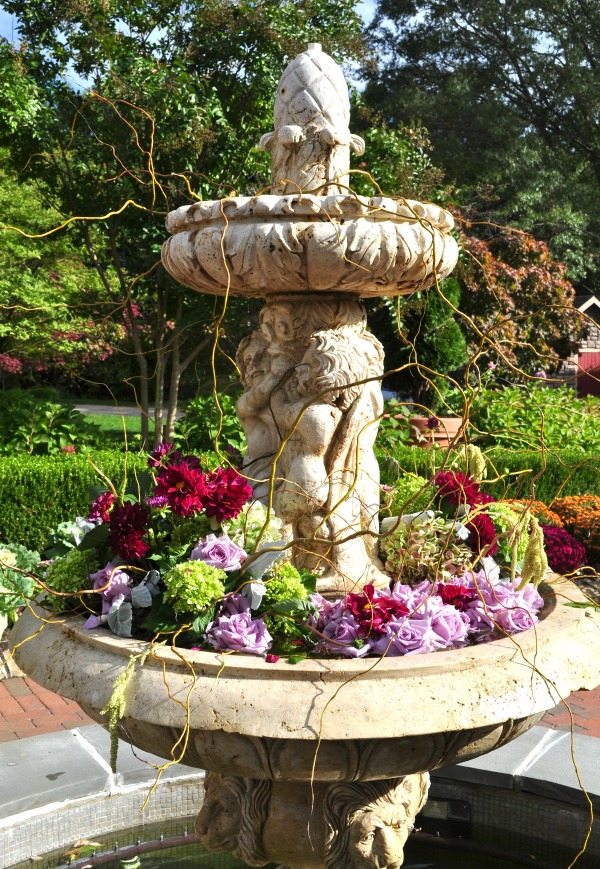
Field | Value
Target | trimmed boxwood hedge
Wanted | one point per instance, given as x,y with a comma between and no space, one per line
39,492
557,474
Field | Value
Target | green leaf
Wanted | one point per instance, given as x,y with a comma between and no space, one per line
95,538
295,659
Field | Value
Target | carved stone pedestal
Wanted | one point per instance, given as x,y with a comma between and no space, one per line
310,410
357,825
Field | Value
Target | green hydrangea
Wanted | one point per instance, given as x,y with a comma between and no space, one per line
246,528
513,532
190,531
285,583
404,497
193,585
427,548
70,574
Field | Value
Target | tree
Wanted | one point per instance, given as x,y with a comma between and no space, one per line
509,94
181,94
54,312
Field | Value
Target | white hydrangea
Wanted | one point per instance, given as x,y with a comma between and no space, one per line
246,528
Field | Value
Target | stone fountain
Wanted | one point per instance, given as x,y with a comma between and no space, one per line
323,764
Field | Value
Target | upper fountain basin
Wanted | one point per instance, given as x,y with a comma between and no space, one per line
259,245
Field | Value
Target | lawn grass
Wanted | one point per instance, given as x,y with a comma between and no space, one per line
112,425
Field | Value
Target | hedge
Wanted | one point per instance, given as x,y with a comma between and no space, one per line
523,472
39,492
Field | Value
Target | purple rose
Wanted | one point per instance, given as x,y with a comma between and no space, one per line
239,633
501,605
408,637
219,552
111,582
340,634
234,604
451,626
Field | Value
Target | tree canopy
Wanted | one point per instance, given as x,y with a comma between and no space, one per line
510,94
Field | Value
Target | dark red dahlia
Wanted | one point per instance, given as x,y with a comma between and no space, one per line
101,507
226,493
565,553
372,613
128,524
184,488
482,534
460,489
457,595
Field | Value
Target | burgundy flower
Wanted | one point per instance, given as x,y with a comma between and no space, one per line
373,612
184,488
128,524
482,534
565,553
457,595
226,493
433,423
460,489
101,507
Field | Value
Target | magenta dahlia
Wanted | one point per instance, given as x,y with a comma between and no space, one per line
101,507
460,489
226,493
183,487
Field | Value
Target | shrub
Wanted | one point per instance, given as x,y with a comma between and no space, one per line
513,474
543,513
37,427
564,552
37,493
523,417
202,424
581,517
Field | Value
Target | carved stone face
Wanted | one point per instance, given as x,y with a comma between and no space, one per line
256,362
218,823
277,323
376,838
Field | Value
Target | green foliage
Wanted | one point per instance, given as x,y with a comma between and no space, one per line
285,583
69,575
532,415
39,492
504,90
410,494
41,427
204,423
16,587
427,339
393,427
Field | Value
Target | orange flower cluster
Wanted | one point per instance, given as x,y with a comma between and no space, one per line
542,512
581,516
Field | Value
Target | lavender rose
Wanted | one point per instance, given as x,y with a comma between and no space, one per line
408,637
239,633
340,631
114,582
219,552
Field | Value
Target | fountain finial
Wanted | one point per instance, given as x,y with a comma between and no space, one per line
311,142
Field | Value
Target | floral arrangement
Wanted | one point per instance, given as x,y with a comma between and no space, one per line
193,557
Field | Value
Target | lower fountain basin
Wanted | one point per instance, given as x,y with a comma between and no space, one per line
326,719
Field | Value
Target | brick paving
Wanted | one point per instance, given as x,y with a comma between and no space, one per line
27,709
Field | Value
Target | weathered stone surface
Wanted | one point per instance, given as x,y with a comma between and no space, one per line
364,718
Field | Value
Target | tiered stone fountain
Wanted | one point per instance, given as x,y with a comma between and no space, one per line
323,764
